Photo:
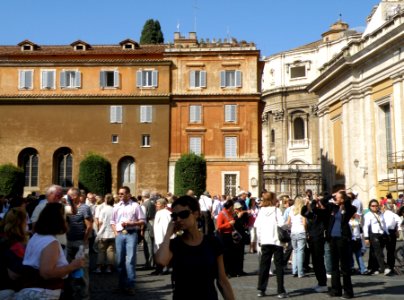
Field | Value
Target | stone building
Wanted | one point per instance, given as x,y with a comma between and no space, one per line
290,139
361,108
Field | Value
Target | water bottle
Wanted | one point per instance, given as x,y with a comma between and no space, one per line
78,273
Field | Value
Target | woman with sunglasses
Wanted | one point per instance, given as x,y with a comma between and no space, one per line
197,260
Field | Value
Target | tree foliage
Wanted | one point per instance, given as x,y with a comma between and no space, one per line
12,179
151,33
95,174
190,173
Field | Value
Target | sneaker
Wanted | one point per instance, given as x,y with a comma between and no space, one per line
321,289
376,273
261,294
283,295
387,271
346,296
328,276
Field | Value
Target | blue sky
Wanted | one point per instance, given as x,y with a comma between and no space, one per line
274,25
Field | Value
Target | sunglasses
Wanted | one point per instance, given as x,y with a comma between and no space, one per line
182,215
374,206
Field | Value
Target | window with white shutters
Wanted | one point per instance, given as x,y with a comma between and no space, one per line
230,113
230,147
195,114
48,79
146,78
146,114
70,79
197,79
146,140
116,114
195,145
109,79
25,79
230,78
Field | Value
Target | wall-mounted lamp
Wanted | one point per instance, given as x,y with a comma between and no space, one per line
254,182
356,162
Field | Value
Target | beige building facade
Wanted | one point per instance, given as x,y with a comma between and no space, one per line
361,108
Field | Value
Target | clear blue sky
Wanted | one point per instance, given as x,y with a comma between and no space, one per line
274,25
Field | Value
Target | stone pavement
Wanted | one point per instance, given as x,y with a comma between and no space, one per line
150,287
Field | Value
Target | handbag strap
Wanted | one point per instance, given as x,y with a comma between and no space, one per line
227,217
378,221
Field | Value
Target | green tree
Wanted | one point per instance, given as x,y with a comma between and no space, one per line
190,173
95,174
12,179
151,33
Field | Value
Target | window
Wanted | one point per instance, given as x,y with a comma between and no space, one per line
273,136
146,114
109,79
230,78
230,113
146,78
63,162
70,79
296,72
298,129
195,145
25,79
116,114
145,140
197,79
48,79
115,139
230,147
28,160
387,129
195,114
230,184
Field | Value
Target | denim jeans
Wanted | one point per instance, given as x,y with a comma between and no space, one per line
327,257
125,247
357,252
298,244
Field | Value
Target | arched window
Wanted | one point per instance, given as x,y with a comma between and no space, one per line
272,136
63,167
126,167
298,129
28,160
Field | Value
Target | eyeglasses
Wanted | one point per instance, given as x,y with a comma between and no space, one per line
182,215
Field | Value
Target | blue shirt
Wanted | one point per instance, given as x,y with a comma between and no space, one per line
336,228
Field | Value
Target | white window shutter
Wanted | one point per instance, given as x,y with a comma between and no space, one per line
22,81
149,113
102,79
238,78
116,79
146,114
192,79
77,79
155,74
231,147
118,113
51,79
112,114
27,75
203,79
139,78
222,78
195,145
63,79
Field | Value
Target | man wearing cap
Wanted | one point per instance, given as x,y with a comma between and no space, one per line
206,205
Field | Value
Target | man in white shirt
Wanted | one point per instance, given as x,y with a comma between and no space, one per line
393,224
206,205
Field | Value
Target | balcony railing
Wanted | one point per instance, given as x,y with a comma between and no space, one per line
293,168
298,144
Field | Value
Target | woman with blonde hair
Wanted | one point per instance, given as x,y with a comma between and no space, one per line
267,222
298,236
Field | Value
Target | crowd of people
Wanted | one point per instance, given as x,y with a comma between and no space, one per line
50,243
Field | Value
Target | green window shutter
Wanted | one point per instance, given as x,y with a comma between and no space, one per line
63,79
139,79
192,79
103,79
222,78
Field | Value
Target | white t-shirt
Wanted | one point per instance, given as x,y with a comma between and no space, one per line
297,222
36,244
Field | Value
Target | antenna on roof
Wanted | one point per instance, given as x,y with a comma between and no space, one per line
195,7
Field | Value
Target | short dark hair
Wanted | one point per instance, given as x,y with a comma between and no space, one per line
228,204
126,188
51,220
189,201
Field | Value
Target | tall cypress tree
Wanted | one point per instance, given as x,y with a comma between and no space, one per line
151,33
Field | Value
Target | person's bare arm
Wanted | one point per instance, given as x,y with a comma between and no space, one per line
227,290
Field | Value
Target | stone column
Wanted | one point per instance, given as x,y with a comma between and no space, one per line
398,112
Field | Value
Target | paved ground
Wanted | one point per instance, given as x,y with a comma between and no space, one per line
158,287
